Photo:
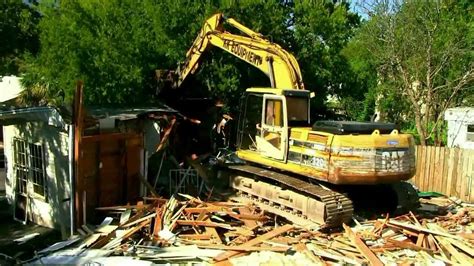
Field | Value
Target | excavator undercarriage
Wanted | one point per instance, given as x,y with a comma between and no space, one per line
302,202
314,204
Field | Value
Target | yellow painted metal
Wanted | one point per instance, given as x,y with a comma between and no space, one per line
336,161
256,157
337,150
278,64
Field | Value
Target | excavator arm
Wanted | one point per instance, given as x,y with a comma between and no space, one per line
280,66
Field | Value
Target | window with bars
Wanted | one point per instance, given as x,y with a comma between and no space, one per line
29,167
470,133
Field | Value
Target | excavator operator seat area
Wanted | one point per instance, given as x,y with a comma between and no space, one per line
263,126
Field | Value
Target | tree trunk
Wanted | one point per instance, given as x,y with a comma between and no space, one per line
420,129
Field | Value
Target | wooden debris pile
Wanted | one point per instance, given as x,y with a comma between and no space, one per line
185,228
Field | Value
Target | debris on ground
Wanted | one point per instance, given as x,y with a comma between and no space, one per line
188,229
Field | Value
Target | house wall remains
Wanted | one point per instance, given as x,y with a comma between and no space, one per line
52,210
460,127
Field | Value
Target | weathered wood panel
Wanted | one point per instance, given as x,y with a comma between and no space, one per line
449,171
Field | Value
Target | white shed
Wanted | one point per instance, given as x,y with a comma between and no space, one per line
10,88
460,127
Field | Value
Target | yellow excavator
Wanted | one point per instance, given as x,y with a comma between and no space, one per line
294,169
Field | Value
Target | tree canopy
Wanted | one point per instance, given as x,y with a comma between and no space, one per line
115,46
18,34
421,54
406,60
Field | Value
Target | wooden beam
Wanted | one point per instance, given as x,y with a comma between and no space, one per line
248,223
360,245
202,223
244,217
196,236
78,120
253,242
158,223
110,136
138,220
301,247
166,134
129,233
246,249
424,230
207,209
408,245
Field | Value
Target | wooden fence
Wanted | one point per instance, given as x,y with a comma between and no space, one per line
449,171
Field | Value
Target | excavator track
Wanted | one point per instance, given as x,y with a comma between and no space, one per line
300,200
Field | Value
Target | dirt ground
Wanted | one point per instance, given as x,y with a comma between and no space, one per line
11,230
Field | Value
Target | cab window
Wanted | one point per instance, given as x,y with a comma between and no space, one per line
273,113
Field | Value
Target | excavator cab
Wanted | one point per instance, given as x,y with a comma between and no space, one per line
266,118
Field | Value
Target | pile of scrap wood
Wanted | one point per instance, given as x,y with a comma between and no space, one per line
185,228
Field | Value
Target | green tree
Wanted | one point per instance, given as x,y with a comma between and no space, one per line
18,34
115,47
322,30
424,59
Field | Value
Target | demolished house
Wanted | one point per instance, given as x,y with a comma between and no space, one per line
39,144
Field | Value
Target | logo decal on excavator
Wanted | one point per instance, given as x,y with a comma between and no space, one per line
392,142
240,51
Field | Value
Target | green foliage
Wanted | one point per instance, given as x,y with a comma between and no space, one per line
18,34
421,53
110,45
322,29
442,140
115,46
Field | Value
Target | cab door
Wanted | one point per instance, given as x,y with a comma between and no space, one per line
273,138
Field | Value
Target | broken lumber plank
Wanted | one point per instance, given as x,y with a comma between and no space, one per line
325,254
257,240
422,229
130,232
119,207
420,239
408,245
459,244
203,223
248,223
378,230
158,225
196,236
244,217
246,249
469,236
91,239
139,220
223,263
421,236
360,245
301,247
206,209
460,257
213,232
453,252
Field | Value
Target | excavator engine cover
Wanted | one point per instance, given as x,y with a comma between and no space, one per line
351,127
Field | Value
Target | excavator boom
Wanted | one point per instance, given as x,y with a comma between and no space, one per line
280,66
